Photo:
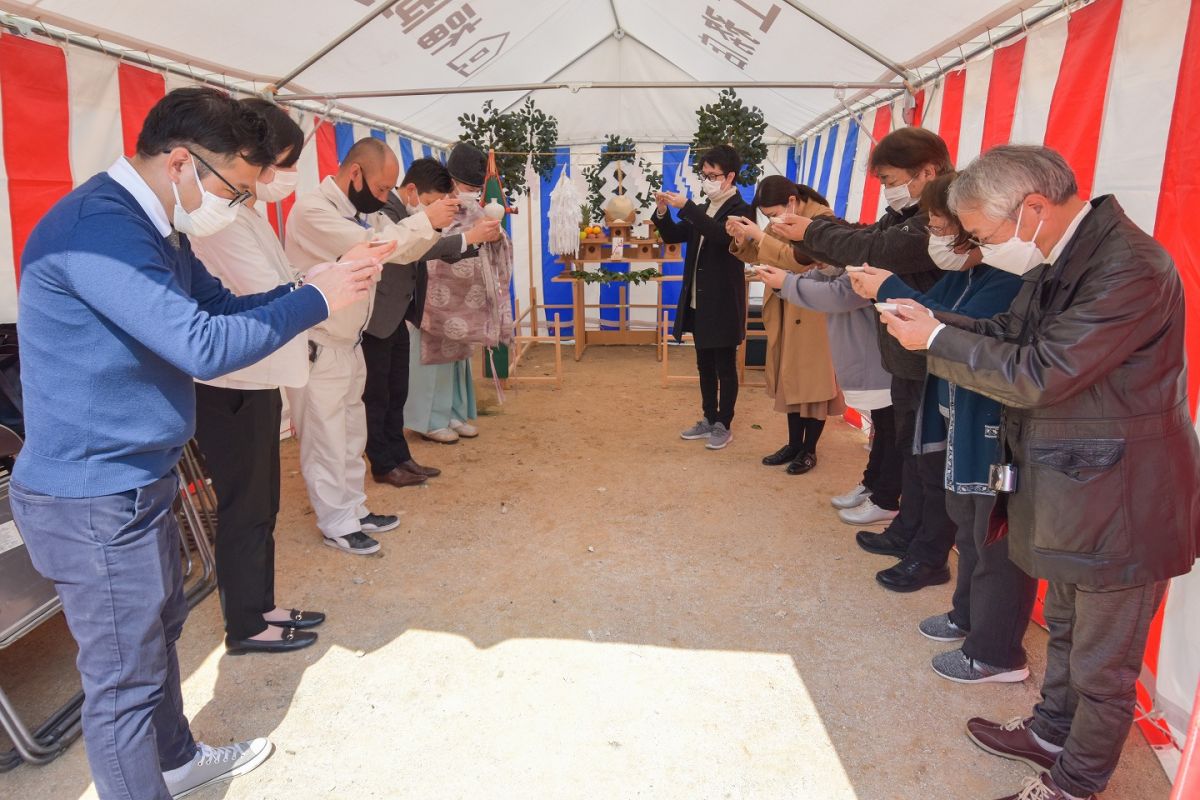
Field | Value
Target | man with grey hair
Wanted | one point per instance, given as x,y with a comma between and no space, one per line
1105,504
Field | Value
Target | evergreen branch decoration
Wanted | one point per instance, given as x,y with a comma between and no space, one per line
730,121
618,149
603,275
525,130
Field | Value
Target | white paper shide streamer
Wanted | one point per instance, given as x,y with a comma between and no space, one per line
566,216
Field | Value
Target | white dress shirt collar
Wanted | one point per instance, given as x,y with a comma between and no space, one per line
1068,234
123,173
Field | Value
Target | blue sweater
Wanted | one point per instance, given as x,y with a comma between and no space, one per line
114,322
970,433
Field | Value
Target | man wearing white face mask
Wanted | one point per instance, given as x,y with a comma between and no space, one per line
1102,464
116,317
328,412
712,300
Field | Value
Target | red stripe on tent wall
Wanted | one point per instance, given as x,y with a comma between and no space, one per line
1077,108
952,108
273,215
880,129
140,90
327,160
1002,95
37,119
1175,224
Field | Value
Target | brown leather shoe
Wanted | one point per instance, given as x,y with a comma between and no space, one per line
1012,739
417,469
399,477
1041,787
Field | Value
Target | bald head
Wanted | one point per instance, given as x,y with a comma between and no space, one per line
370,164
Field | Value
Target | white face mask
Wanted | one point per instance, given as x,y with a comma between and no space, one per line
941,250
213,214
469,197
898,197
1016,255
712,187
278,189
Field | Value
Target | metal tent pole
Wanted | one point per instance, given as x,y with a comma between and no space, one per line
576,86
853,41
324,51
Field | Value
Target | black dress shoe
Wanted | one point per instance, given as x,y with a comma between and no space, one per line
417,469
910,575
292,640
781,456
399,478
299,620
802,463
888,543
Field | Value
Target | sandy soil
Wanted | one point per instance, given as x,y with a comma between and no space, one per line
585,606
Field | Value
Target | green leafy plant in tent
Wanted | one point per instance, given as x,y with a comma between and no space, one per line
730,121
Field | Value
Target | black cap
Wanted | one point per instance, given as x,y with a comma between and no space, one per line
467,164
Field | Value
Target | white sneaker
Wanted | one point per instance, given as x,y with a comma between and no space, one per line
441,436
464,429
866,513
851,498
215,764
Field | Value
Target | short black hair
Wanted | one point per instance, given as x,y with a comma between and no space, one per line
286,135
428,175
210,120
724,157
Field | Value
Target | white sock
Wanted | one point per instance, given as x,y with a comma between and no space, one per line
1053,748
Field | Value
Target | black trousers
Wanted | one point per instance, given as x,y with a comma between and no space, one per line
238,432
1093,659
993,598
882,475
718,382
385,394
906,397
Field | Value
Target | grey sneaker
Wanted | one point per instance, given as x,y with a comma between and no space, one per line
719,437
941,629
357,543
700,430
215,764
378,523
955,666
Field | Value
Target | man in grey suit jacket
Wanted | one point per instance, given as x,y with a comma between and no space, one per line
400,298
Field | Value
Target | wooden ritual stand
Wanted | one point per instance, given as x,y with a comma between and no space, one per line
599,251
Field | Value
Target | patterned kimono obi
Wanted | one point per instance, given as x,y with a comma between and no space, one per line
468,302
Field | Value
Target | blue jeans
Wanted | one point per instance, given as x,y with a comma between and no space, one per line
116,563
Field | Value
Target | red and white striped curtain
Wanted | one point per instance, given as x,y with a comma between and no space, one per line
1115,87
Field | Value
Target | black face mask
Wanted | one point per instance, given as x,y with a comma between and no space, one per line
364,202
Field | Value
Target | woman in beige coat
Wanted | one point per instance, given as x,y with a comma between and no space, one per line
799,371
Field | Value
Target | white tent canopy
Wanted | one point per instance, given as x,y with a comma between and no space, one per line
429,45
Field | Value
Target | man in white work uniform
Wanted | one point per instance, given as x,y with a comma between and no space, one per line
328,412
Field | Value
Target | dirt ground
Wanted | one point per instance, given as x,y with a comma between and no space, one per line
586,606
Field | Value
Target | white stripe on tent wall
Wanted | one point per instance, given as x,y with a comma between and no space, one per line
858,180
1137,114
835,169
307,175
171,80
647,293
392,140
931,115
94,98
8,275
974,108
1039,73
519,224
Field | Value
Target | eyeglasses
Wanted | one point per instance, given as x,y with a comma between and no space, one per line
936,230
240,195
982,241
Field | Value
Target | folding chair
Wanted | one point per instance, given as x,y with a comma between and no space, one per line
27,599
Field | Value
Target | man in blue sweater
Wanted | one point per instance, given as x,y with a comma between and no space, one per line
116,318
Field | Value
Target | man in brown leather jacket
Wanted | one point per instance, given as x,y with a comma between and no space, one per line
1089,363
